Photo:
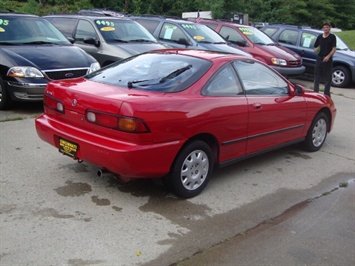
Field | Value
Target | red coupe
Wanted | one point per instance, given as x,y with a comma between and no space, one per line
177,114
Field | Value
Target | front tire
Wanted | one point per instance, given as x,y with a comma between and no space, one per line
5,99
191,170
340,77
317,133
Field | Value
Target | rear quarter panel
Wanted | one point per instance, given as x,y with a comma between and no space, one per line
180,118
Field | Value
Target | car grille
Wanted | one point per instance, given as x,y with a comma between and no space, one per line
65,73
295,63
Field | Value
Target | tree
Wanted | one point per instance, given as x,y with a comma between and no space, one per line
344,11
300,12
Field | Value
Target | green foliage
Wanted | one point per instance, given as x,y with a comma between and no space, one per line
300,12
32,7
137,4
344,18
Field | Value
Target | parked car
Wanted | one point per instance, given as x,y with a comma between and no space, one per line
179,33
259,45
259,25
33,52
178,114
301,40
101,12
108,39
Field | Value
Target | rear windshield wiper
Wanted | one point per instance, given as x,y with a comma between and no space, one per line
130,84
175,73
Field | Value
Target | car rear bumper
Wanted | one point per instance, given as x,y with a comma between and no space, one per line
290,71
128,160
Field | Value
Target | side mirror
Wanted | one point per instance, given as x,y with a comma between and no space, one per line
71,40
241,43
299,90
92,41
183,41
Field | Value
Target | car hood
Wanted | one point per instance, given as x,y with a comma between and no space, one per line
137,48
280,52
47,57
220,47
346,52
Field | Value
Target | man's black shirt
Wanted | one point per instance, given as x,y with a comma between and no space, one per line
326,44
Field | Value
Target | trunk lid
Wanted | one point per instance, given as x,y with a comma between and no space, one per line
79,95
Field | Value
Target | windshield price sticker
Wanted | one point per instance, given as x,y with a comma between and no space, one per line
107,29
199,38
189,26
68,148
246,31
105,23
4,22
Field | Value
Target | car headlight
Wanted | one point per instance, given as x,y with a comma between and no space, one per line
278,61
94,67
24,72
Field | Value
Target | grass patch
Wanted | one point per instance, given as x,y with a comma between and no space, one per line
12,119
343,184
36,115
348,37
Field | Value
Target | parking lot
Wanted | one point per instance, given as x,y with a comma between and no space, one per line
55,211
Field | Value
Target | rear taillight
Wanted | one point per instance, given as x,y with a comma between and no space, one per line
127,124
53,103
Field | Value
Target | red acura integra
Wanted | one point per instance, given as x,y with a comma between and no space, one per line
177,114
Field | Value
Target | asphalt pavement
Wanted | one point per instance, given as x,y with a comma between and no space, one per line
318,231
288,207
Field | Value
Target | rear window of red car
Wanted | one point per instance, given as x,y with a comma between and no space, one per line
154,72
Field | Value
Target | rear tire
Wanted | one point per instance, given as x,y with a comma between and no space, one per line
5,99
191,170
317,133
340,77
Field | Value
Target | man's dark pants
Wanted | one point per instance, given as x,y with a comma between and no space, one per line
323,70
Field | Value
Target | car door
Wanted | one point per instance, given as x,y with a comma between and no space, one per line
64,25
276,116
172,35
232,35
229,113
85,30
301,43
306,45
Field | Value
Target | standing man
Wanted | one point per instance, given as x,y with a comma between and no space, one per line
325,47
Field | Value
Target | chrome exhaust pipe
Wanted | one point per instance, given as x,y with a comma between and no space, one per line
102,173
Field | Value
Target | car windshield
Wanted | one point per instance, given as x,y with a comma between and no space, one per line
341,45
153,72
29,30
256,36
118,30
202,33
